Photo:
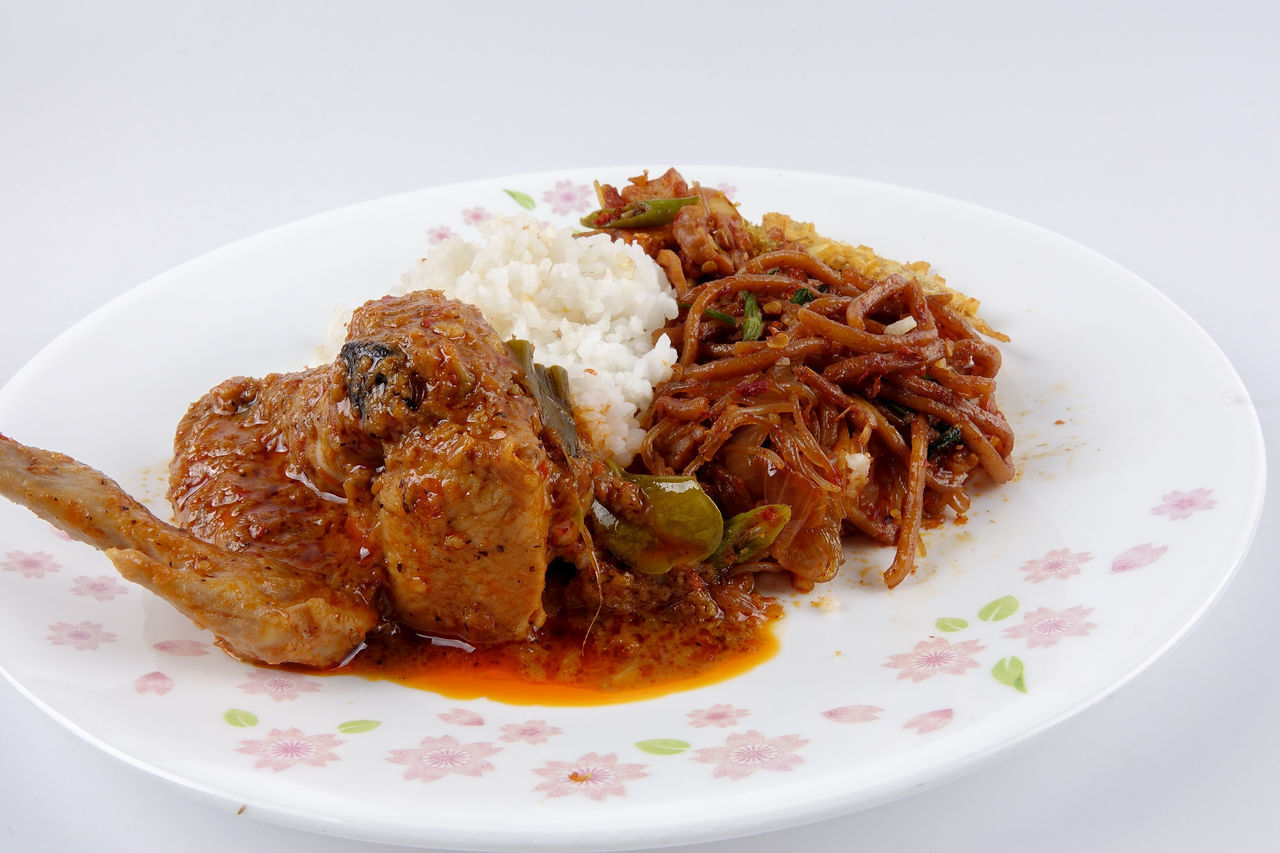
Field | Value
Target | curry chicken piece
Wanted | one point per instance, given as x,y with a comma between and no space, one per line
408,481
236,479
412,465
260,608
468,495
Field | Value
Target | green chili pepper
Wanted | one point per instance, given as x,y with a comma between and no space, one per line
649,213
550,388
748,534
752,319
679,524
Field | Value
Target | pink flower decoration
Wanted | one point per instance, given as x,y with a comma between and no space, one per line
717,715
931,721
439,234
1180,505
1138,556
102,588
567,197
532,731
153,682
60,533
728,189
279,685
1044,627
285,748
181,648
437,757
934,656
33,564
462,717
475,215
853,714
1056,564
744,754
84,635
594,776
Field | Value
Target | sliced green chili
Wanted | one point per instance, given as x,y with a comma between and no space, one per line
679,525
748,534
550,388
649,213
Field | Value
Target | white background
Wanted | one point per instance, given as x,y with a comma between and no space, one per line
135,136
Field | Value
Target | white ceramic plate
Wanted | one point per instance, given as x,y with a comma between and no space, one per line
1120,531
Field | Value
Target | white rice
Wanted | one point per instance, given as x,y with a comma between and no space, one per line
587,304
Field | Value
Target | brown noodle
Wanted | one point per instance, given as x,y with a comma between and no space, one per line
863,404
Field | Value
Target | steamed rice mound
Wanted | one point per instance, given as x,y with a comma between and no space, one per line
588,304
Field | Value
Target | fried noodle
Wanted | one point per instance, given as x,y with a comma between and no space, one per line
864,403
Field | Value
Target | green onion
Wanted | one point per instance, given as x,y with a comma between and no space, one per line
802,296
898,409
752,319
711,314
947,438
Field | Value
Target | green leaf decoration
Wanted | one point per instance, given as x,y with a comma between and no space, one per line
662,746
355,727
1010,671
951,623
523,199
240,719
1001,608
